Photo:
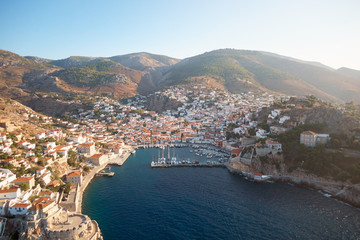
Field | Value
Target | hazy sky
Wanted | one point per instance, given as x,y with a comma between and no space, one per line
325,31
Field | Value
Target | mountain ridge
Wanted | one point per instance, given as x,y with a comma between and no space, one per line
142,73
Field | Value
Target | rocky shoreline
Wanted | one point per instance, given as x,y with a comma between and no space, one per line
346,193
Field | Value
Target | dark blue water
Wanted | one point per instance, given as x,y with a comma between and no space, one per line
209,203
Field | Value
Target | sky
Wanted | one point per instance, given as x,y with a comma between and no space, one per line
322,31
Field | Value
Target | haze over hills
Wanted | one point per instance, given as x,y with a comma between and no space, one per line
142,73
349,72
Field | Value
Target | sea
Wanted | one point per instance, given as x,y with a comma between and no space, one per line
140,202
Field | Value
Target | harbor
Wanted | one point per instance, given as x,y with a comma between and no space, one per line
204,156
209,198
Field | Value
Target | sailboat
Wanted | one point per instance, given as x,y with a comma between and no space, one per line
173,159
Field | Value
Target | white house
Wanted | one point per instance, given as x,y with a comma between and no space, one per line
30,146
6,177
322,138
20,208
274,145
261,133
40,135
40,171
2,137
78,139
45,178
283,119
48,145
11,193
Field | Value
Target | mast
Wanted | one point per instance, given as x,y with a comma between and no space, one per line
168,153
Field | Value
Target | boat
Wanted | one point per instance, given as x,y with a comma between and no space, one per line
258,177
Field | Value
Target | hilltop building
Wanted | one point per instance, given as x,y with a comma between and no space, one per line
310,139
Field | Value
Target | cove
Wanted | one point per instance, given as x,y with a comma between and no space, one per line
209,203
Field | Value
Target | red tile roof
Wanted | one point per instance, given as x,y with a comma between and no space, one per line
97,155
308,133
74,174
11,190
23,179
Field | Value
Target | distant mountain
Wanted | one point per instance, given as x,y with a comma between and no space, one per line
349,72
236,70
12,69
142,73
144,61
317,64
74,61
38,59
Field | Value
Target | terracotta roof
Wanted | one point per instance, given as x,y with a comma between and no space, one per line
308,133
97,155
236,151
86,145
45,192
8,190
21,205
74,174
23,179
54,183
41,203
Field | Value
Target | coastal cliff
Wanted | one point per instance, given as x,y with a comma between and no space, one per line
274,165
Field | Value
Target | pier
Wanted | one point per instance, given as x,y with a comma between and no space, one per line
105,174
159,165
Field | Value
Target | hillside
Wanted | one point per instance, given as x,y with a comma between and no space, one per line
16,118
12,69
143,73
144,61
74,61
349,72
20,76
233,68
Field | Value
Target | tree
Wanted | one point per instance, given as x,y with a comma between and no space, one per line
72,157
41,162
20,171
67,188
24,186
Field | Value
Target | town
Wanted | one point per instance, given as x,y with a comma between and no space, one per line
43,177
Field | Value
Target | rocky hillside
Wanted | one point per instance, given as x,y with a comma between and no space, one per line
20,77
235,69
160,103
333,119
144,61
144,73
12,69
16,118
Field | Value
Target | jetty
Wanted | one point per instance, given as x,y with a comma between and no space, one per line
105,174
187,165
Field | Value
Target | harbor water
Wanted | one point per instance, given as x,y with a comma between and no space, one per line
141,202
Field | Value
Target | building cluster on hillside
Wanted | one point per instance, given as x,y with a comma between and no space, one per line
95,136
